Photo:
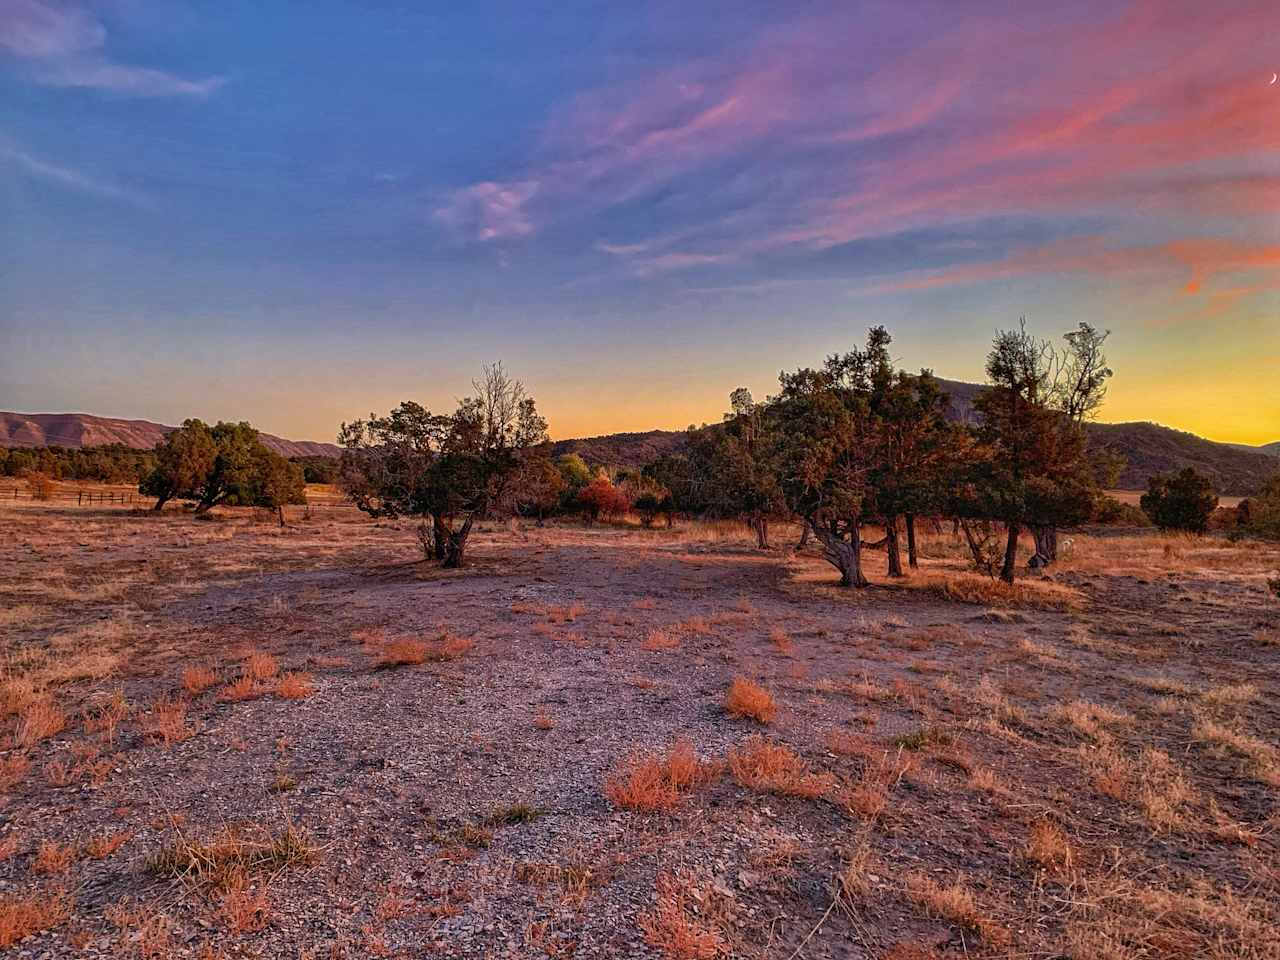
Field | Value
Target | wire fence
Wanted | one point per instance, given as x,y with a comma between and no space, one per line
93,497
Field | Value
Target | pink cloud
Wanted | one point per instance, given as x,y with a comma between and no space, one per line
65,46
490,211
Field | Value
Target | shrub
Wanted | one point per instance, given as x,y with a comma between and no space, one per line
1115,513
771,767
295,685
1180,501
40,486
21,916
747,700
648,781
600,499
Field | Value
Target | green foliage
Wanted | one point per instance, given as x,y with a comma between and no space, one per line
317,469
1115,513
1260,515
451,468
113,463
226,463
574,472
1180,501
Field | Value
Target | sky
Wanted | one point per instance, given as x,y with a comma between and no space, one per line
297,214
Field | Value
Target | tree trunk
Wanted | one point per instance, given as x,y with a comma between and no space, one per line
1046,538
280,512
456,544
1010,553
843,555
805,532
160,502
440,532
891,546
761,526
911,541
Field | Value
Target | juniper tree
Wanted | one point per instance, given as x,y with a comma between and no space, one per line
445,469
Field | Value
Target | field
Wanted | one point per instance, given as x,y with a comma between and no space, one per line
223,738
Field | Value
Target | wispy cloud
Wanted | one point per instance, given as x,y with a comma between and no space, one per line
63,45
63,176
830,135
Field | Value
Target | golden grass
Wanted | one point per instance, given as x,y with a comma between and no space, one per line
674,929
774,768
747,700
295,685
1047,846
53,858
24,915
956,903
38,720
167,721
231,854
197,679
648,782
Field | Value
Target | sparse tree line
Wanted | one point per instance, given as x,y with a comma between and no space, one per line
854,445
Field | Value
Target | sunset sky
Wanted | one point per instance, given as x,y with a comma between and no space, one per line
299,213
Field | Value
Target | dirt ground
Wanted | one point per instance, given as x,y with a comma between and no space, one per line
224,739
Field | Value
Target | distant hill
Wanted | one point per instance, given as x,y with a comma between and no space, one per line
1147,448
1270,449
75,430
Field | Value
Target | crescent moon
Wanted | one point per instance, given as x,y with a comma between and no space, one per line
1274,76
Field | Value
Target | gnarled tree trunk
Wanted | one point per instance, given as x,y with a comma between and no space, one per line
761,527
451,547
911,541
1046,538
805,533
842,554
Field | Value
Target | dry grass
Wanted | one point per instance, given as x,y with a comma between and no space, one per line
53,858
647,782
23,915
1118,918
661,638
673,927
259,666
747,700
295,685
773,768
230,855
956,903
39,720
1047,846
167,721
244,908
973,588
197,679
412,651
242,688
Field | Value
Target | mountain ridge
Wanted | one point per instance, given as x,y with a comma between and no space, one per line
74,430
1148,448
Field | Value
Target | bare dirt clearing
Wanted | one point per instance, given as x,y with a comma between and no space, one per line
221,738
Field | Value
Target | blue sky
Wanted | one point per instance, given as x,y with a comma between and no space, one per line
295,214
